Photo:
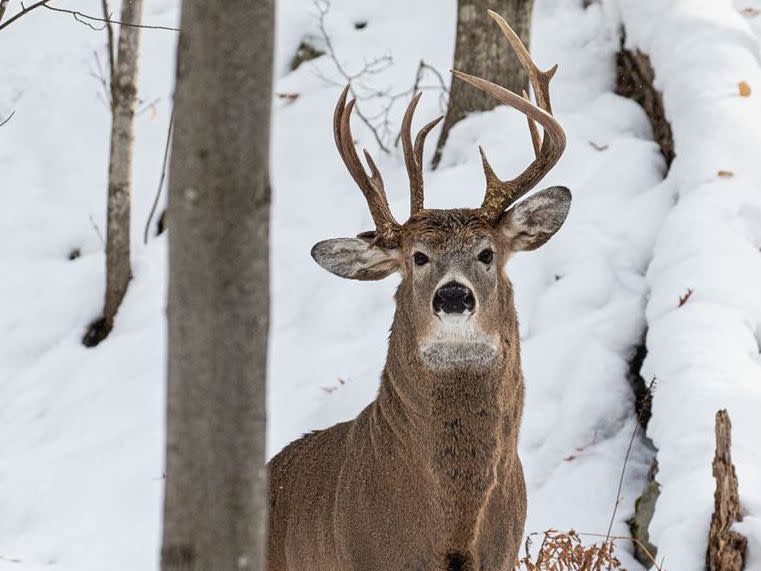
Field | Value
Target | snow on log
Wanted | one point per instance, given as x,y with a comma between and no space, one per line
726,548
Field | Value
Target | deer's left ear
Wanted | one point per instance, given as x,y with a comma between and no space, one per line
533,221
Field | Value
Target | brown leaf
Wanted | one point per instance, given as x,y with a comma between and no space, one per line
744,89
288,97
685,298
725,174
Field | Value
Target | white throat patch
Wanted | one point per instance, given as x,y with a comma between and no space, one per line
457,342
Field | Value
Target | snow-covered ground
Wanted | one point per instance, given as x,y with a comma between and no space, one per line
81,431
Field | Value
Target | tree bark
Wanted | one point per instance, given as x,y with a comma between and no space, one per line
726,548
218,217
480,49
635,79
123,99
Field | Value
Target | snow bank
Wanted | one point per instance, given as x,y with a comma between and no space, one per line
705,354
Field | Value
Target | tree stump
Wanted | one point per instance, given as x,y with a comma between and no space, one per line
726,548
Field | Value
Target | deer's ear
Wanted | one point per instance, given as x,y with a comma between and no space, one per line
355,259
532,222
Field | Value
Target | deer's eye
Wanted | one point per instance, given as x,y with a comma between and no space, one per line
420,259
486,256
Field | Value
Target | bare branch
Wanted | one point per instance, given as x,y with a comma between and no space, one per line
97,231
647,398
161,179
78,16
100,75
24,11
323,8
8,118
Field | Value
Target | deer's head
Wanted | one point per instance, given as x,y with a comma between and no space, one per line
454,291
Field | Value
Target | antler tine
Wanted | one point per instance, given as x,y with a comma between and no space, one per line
387,228
540,80
536,139
413,156
500,194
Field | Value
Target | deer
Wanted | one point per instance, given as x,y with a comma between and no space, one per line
427,477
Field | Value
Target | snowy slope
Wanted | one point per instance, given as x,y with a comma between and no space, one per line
82,430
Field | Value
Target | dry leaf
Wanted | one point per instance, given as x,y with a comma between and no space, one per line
725,174
750,12
744,88
288,97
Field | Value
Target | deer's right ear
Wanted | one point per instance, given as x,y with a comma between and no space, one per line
353,258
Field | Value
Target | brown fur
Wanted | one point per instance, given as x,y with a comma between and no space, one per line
427,477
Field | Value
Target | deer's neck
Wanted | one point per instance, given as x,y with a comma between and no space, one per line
459,428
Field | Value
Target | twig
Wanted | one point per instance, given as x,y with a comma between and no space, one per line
323,9
80,17
627,538
97,231
648,396
146,106
100,75
8,118
110,33
161,179
23,12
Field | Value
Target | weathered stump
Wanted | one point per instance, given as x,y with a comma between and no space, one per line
726,548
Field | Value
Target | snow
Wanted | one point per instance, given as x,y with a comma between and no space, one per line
82,429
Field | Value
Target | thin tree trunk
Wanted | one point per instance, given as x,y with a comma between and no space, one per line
123,99
218,217
3,6
480,49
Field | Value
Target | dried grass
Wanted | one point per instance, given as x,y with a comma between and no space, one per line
565,551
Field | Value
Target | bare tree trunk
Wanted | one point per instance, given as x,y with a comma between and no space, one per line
123,98
218,217
481,50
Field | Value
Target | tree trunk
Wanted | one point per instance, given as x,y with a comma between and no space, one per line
218,217
3,6
123,99
481,50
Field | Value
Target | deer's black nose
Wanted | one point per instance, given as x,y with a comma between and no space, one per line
453,297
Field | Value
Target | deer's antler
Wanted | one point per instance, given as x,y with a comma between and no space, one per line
386,227
413,156
501,194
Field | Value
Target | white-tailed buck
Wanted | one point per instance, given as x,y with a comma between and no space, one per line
427,477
